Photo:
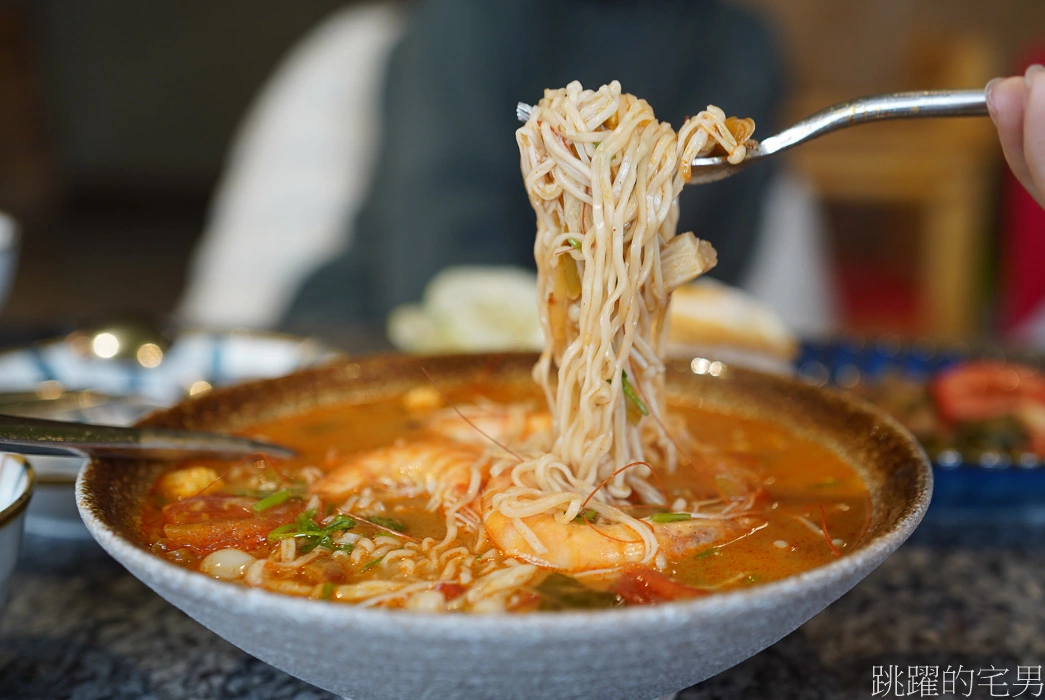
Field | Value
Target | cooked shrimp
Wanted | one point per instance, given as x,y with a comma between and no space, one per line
581,546
576,545
446,471
476,424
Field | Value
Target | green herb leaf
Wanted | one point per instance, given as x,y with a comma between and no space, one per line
561,592
586,515
390,523
629,392
274,499
341,522
311,534
306,521
670,517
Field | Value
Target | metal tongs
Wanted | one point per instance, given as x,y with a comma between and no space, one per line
897,105
36,436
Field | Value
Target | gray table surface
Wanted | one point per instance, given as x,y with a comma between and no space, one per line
961,591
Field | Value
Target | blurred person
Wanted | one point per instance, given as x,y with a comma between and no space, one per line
1017,106
446,188
298,169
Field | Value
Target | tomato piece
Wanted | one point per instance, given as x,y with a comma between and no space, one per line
200,509
208,523
450,590
983,390
638,585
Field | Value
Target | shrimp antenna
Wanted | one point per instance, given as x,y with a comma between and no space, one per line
466,419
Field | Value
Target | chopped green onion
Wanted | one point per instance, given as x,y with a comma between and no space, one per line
829,483
710,552
390,523
372,564
274,499
327,591
587,515
661,518
574,243
752,578
629,392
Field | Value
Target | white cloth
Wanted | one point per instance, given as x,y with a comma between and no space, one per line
297,172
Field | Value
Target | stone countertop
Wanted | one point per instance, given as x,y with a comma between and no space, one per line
962,591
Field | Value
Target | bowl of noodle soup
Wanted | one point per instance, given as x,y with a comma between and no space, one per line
594,520
636,651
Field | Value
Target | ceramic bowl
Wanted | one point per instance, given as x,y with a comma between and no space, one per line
52,380
16,488
631,652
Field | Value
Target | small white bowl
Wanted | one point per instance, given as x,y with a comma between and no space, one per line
16,488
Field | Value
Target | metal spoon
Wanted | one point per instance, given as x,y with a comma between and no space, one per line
48,437
897,105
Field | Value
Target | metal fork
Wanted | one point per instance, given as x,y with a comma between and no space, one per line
897,105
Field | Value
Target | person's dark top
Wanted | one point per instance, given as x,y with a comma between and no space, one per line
447,188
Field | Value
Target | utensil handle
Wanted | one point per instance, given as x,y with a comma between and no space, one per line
897,105
48,437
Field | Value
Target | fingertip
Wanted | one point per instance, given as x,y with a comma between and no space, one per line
987,94
1034,72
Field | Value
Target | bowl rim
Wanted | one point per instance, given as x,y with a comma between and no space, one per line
323,612
12,511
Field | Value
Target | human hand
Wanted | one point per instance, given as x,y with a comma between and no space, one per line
1017,106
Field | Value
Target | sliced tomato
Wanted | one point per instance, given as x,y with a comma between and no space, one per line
982,390
208,523
638,585
200,509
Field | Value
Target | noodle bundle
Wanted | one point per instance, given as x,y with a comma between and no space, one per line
603,176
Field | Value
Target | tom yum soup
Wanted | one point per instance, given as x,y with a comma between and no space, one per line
583,489
408,520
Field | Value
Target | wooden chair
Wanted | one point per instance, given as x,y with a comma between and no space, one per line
943,169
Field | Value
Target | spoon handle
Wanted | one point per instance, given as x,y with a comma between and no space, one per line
39,436
897,105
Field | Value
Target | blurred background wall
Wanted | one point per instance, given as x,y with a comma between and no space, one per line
115,116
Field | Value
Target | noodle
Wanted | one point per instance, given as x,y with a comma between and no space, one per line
603,176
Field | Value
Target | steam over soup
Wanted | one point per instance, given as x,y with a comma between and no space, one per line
390,504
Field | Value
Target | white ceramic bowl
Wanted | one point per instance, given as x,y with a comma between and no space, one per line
16,488
638,652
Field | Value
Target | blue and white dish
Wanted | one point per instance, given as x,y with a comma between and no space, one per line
64,384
